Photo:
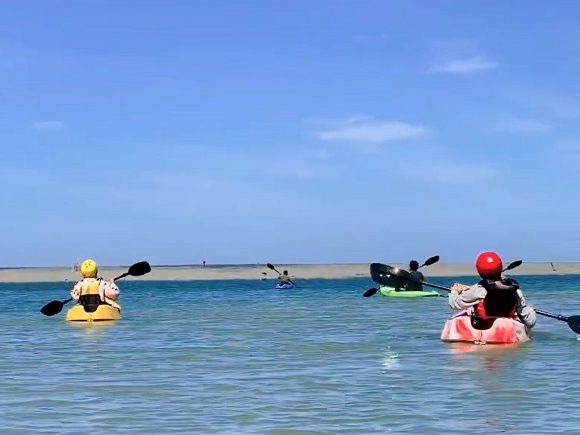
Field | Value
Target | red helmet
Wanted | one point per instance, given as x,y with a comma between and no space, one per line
489,265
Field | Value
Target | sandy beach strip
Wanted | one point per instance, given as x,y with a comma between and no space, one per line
254,272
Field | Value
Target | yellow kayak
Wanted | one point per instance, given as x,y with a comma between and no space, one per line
101,314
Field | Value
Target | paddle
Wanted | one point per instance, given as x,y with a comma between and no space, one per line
572,321
385,269
55,307
370,292
271,266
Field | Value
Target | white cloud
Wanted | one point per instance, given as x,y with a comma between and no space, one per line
521,125
48,126
569,146
339,122
307,171
363,37
463,66
319,155
455,173
552,103
375,132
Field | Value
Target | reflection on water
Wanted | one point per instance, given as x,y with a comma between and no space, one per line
390,360
238,357
93,328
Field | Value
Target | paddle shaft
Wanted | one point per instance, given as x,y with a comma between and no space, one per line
540,312
440,287
553,316
121,276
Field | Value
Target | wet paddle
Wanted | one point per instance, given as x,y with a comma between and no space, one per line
572,321
55,307
374,268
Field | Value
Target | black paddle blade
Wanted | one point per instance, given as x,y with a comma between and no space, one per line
139,269
264,273
431,260
270,266
52,308
401,273
383,274
574,323
513,265
370,292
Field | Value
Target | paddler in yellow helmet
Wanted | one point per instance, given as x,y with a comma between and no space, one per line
92,291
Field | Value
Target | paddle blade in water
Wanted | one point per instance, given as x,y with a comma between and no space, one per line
574,323
52,308
370,292
432,260
139,269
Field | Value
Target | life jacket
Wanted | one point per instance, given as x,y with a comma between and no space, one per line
415,282
500,301
89,295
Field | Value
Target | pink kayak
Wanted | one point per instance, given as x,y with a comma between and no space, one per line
502,331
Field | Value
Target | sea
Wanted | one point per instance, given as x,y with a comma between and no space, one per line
239,357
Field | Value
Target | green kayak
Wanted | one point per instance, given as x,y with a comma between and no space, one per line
392,293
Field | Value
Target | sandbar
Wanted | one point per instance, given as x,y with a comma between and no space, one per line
255,272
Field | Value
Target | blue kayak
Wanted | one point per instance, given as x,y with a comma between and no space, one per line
285,286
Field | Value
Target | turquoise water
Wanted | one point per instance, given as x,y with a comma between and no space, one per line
240,357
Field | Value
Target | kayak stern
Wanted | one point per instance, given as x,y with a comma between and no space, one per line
503,331
101,314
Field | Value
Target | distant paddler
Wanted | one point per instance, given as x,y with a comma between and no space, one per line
415,283
283,278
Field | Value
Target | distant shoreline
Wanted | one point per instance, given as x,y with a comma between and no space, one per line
255,272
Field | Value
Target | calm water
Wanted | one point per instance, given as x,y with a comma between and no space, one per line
240,357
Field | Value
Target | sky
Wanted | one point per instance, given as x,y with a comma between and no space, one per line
288,131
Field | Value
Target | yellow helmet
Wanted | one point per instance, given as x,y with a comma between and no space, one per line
89,269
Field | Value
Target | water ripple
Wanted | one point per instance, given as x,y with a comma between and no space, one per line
240,357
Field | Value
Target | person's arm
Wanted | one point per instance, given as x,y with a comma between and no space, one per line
525,312
463,297
76,291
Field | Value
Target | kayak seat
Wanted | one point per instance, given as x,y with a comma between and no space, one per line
482,324
90,302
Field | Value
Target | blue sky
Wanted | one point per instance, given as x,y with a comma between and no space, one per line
297,131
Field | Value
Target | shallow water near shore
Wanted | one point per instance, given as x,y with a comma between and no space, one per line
241,357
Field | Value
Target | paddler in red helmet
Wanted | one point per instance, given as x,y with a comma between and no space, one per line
492,297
